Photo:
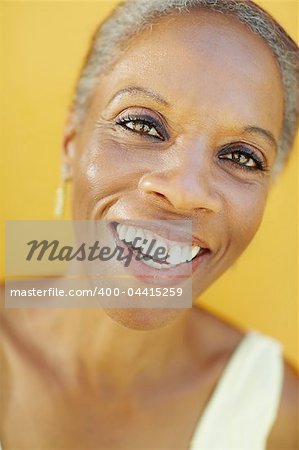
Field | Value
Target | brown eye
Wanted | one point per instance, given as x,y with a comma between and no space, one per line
243,158
240,158
144,125
143,128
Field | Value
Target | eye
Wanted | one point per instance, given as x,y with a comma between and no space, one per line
243,157
143,125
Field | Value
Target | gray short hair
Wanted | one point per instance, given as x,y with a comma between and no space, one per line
133,16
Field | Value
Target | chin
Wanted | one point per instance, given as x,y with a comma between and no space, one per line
144,318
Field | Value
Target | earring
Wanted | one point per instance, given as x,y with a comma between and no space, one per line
61,191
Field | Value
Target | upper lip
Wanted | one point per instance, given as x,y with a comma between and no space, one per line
168,231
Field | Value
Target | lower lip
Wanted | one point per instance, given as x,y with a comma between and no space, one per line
167,277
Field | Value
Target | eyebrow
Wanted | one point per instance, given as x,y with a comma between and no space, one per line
133,90
266,134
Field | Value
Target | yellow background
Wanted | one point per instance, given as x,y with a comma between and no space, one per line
42,47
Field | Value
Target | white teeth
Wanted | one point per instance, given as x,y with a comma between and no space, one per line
186,251
189,257
145,245
160,245
195,251
130,234
139,238
156,265
152,263
122,231
175,254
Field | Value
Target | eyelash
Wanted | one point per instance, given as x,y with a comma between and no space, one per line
146,121
231,149
247,152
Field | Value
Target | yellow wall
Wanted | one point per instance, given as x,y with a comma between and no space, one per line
44,43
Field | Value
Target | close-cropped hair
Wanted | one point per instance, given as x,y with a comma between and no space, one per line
134,16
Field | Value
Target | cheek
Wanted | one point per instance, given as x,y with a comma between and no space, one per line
104,167
245,213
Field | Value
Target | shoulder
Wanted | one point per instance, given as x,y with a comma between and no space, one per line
227,336
284,434
216,339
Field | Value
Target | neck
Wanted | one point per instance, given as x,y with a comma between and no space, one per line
123,357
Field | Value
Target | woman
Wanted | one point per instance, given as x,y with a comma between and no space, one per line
185,110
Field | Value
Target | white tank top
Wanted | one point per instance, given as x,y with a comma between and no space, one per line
243,407
244,404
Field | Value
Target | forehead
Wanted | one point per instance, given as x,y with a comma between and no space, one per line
209,63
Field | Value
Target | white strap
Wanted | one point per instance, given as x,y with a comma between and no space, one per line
244,405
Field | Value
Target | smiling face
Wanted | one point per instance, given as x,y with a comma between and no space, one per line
183,126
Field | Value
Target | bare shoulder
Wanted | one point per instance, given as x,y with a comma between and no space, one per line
284,434
216,335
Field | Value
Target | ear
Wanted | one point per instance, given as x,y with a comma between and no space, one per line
69,142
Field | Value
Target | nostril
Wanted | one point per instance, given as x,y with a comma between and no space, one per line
159,199
158,194
162,197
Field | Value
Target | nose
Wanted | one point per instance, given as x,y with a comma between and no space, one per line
187,187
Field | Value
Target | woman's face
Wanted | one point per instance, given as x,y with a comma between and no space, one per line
183,126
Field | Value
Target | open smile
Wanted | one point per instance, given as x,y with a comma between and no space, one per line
163,250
